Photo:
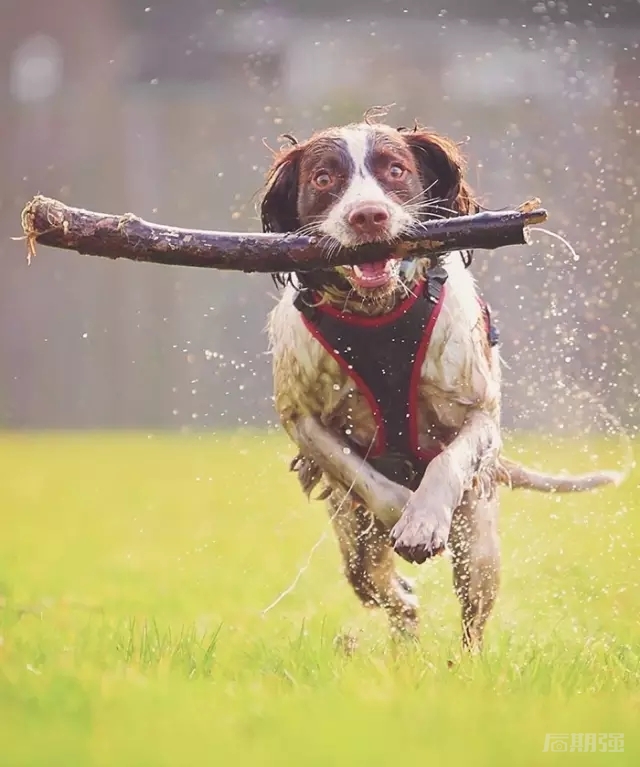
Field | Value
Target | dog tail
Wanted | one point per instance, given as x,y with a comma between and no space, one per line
516,477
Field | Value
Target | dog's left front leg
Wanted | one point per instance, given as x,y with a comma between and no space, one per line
423,529
384,499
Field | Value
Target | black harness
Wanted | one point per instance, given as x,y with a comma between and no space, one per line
384,356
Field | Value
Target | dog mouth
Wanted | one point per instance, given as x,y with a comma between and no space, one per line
374,274
375,277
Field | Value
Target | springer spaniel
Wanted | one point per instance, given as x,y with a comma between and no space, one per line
387,375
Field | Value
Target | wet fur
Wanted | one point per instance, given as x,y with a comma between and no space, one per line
456,504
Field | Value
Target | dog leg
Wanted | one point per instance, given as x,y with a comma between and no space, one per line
369,564
423,528
475,549
384,498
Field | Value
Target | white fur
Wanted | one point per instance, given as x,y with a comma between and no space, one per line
288,334
456,367
362,188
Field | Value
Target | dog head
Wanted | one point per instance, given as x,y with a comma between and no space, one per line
364,183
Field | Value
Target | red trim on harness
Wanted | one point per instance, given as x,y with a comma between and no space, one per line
424,455
381,437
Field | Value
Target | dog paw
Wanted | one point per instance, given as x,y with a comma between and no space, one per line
419,536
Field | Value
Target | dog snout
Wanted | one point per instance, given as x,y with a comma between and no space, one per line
369,219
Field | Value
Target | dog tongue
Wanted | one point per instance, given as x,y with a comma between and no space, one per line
371,275
373,268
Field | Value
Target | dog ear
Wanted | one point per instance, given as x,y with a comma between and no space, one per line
279,207
441,166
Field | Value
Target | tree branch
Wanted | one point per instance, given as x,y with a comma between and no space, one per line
51,222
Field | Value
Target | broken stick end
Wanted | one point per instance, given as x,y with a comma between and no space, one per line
528,206
535,215
31,218
533,212
27,219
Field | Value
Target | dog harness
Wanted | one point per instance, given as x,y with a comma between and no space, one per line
384,356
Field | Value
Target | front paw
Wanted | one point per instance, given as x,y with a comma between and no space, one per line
420,534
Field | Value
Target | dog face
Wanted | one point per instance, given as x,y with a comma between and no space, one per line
359,184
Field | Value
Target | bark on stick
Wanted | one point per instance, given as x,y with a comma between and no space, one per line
50,222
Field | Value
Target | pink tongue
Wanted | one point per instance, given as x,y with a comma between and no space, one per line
371,275
373,270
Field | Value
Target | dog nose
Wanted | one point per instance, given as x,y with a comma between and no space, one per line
369,219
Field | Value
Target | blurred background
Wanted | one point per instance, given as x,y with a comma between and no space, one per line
160,107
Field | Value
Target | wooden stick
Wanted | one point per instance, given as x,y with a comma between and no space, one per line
51,222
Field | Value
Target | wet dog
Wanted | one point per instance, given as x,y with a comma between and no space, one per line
387,375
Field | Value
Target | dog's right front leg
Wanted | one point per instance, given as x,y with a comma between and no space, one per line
384,498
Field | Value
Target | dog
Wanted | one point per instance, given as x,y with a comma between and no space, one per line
387,376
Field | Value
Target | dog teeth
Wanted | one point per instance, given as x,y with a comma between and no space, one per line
388,268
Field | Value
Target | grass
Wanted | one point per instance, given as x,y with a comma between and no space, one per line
133,575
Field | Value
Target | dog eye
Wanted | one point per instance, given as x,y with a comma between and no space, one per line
396,170
322,179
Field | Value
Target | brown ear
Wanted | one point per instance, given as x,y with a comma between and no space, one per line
441,166
279,207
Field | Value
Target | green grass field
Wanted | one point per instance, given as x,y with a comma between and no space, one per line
133,575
